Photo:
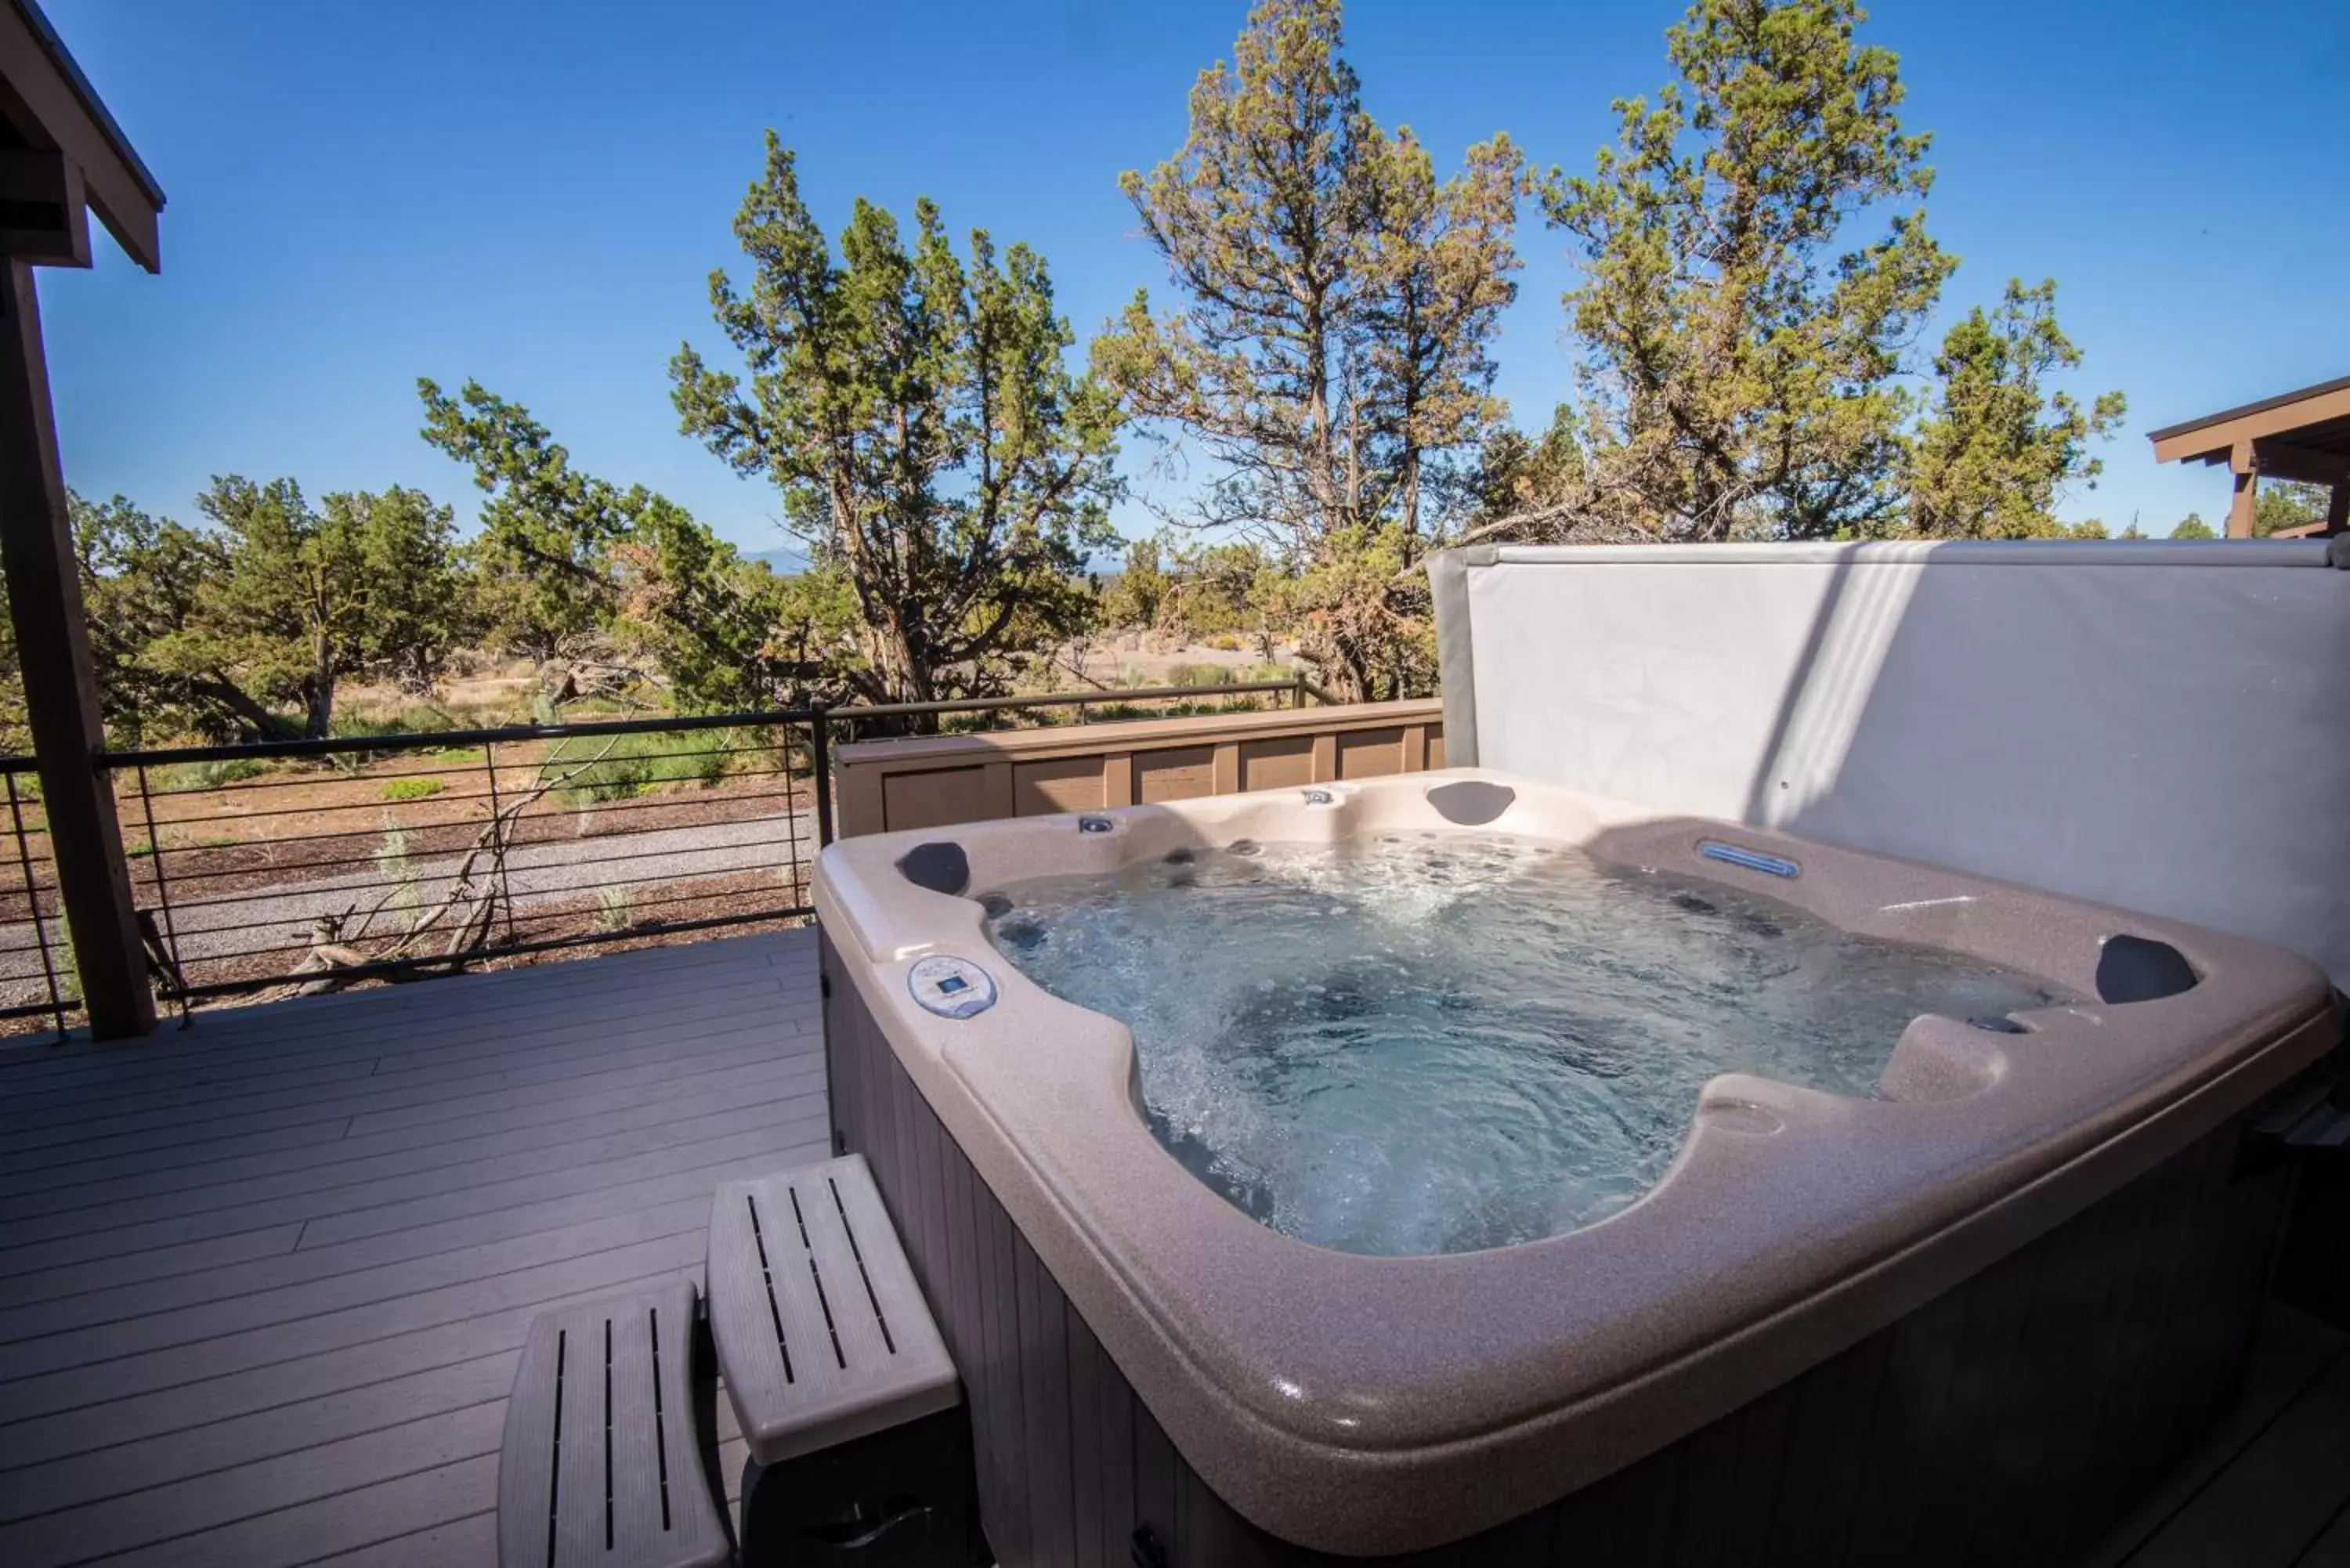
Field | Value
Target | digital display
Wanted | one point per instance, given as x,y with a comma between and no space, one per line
953,983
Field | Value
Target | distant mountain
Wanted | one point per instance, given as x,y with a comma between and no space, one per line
783,560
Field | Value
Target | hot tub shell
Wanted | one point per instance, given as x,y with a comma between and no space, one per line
2034,1263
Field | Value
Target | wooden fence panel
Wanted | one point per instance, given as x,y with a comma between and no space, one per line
935,781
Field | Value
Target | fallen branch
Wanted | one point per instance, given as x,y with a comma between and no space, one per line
333,953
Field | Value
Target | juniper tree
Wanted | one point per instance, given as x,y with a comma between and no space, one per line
1133,598
915,412
543,557
573,563
419,604
144,580
303,598
1746,297
1998,451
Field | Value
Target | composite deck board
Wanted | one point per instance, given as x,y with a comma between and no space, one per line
359,1037
122,1375
353,1036
2331,1549
329,1022
474,1538
437,1044
366,1157
2275,1500
328,1188
597,1047
311,1299
264,1283
125,1469
447,1244
340,1212
2294,1352
87,1110
186,1407
92,1293
180,1508
424,1113
410,1104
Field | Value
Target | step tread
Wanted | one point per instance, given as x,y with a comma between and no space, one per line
601,1461
823,1336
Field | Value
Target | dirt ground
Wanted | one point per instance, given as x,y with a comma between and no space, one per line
1143,658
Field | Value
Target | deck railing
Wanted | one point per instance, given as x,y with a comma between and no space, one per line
311,863
36,968
279,867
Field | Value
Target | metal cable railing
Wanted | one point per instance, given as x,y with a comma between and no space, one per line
281,865
36,968
313,864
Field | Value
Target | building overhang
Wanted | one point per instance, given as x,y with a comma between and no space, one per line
62,157
2303,435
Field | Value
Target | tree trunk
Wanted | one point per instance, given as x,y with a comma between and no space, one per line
317,707
1410,503
1346,672
226,695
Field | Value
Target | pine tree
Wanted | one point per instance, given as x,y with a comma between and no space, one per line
2281,503
1331,354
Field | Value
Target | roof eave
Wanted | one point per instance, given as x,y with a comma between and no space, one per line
52,107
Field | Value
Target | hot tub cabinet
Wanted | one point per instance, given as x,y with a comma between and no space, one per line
1968,1319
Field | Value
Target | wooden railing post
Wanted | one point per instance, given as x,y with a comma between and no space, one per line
60,687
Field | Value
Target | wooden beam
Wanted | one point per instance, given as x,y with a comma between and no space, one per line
2202,440
2283,459
60,686
2240,506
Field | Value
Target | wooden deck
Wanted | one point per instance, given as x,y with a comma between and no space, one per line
2271,1487
263,1281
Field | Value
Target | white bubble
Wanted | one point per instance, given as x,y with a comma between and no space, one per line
1442,1043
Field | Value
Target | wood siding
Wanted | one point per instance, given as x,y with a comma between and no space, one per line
935,781
2014,1420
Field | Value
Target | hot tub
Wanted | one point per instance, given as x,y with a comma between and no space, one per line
1971,1309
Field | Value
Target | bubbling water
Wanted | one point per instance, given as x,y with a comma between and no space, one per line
1423,1042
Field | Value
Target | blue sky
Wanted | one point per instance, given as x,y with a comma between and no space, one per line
533,193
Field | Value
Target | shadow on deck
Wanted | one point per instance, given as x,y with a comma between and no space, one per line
263,1281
